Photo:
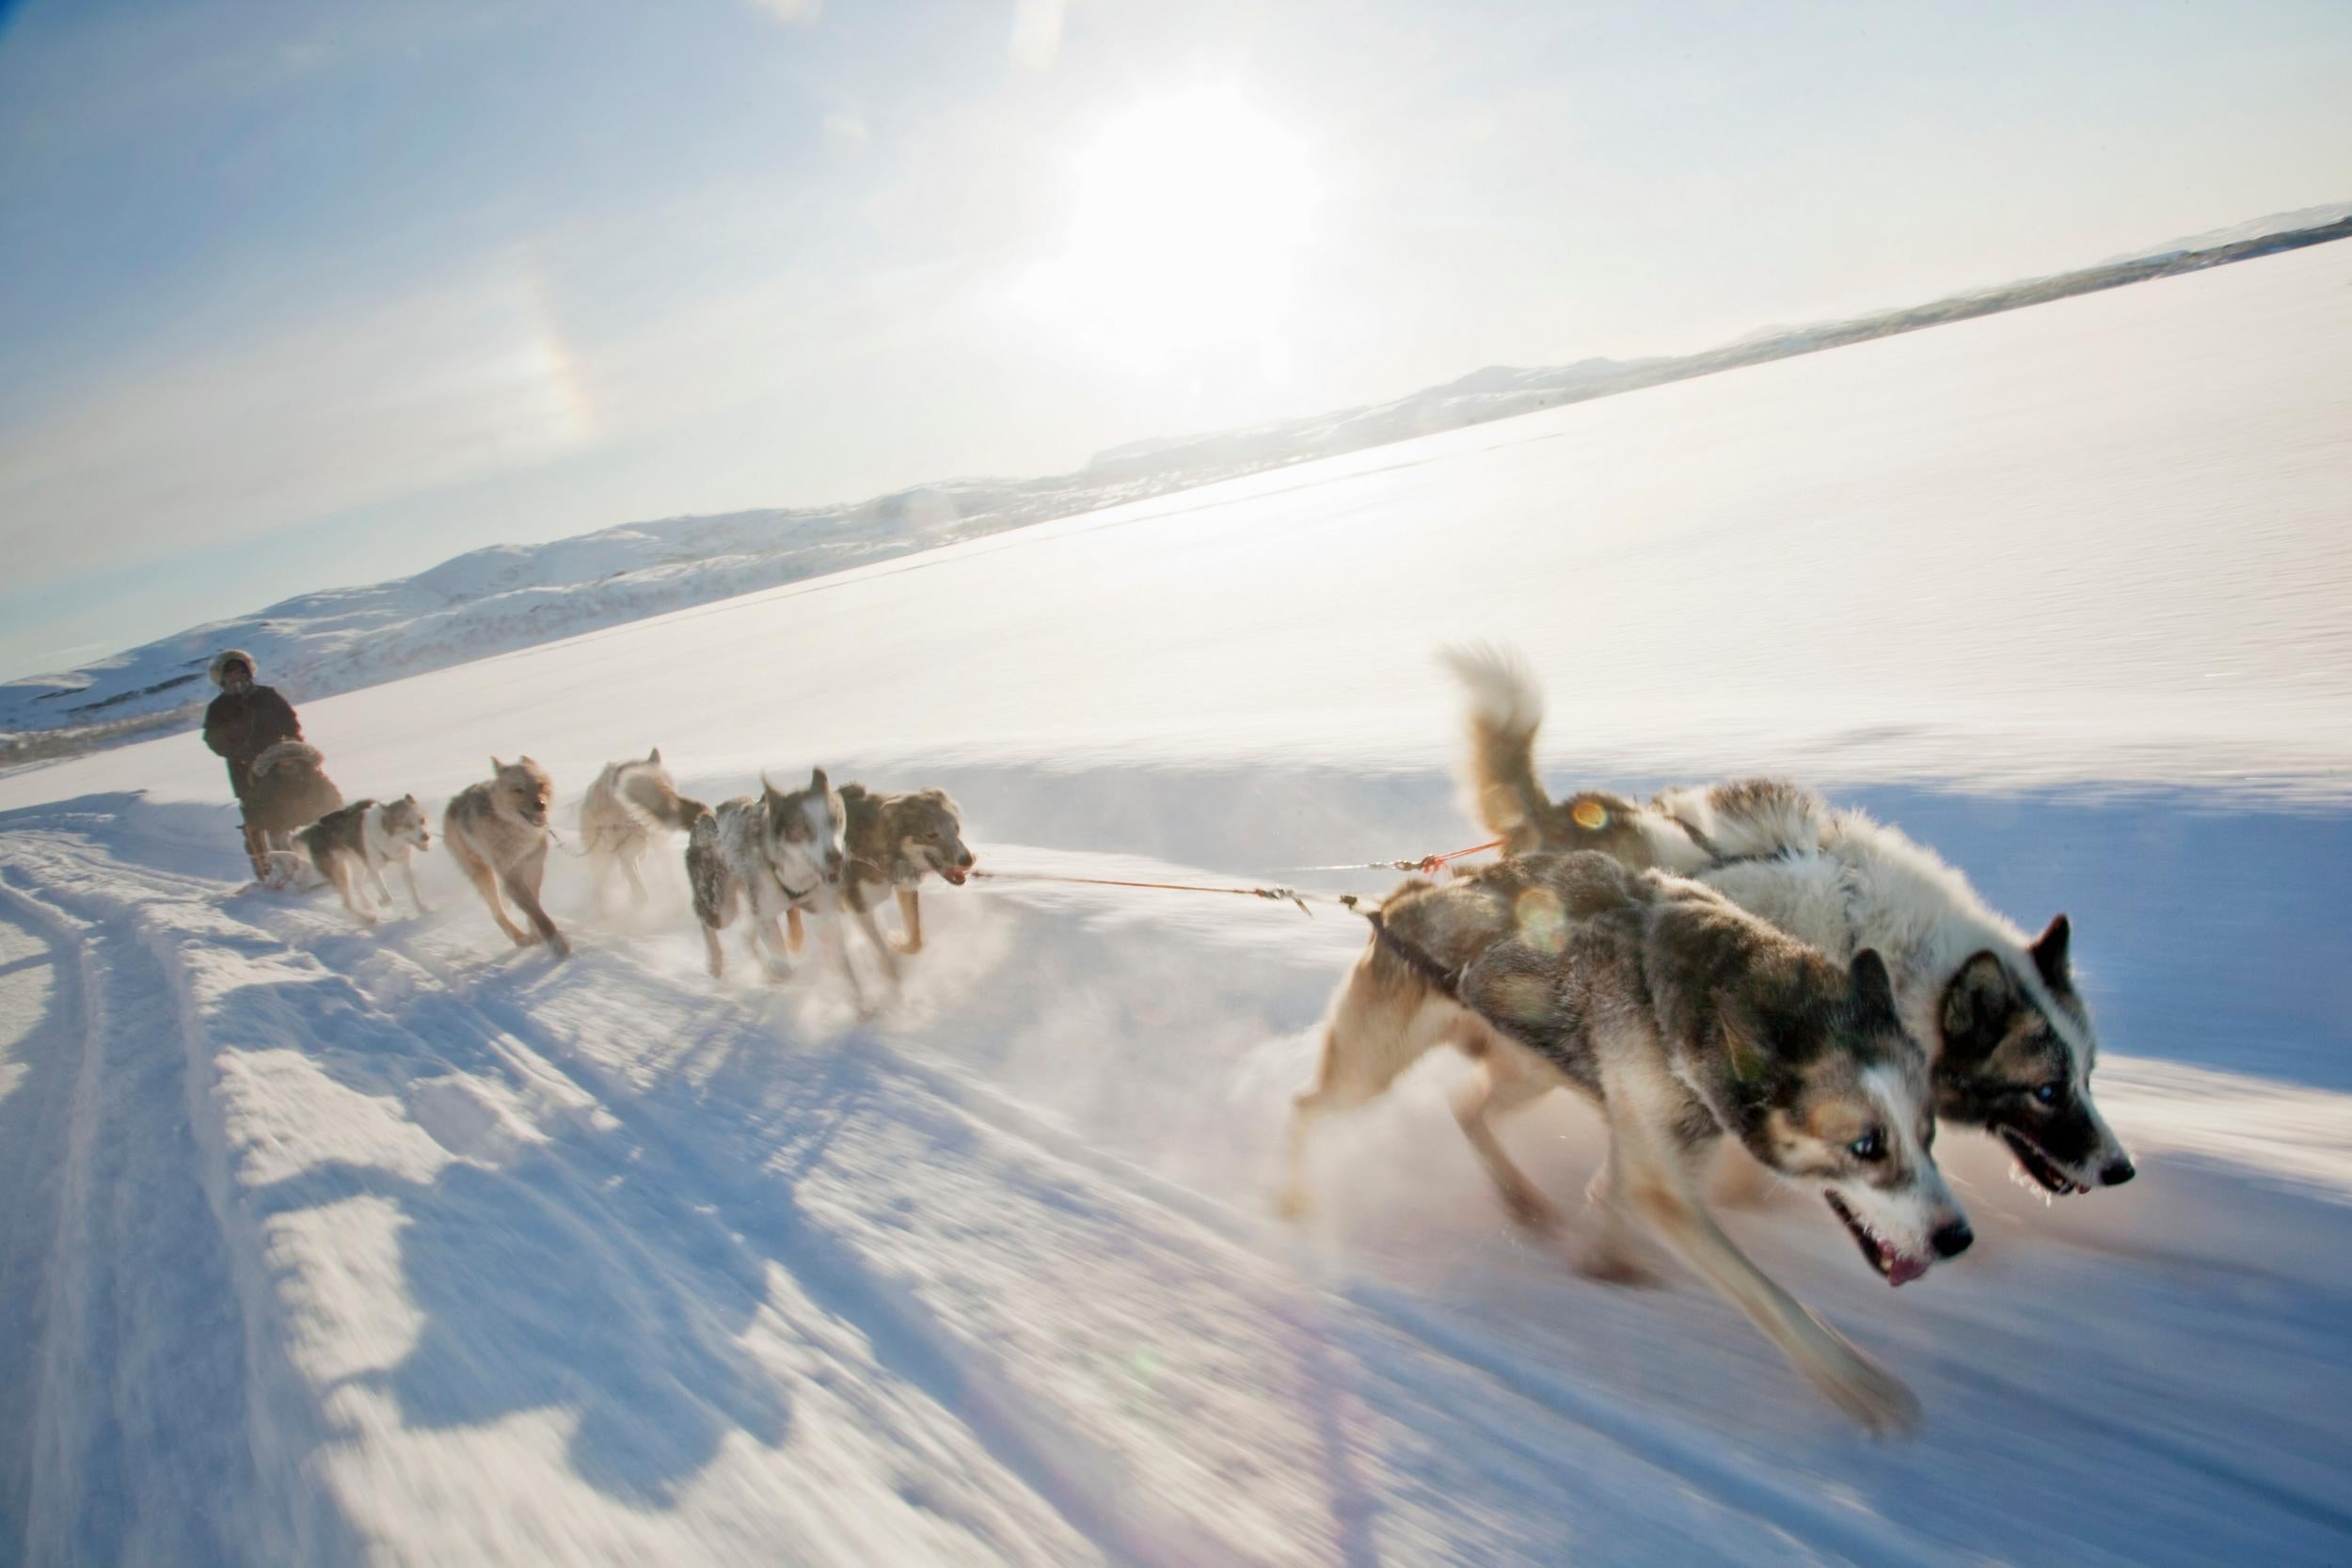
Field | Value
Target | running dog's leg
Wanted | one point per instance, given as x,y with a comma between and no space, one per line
257,850
792,920
375,875
522,885
838,938
911,910
408,875
862,914
764,936
478,872
717,898
487,885
1610,1253
770,936
1379,1024
346,881
1500,1081
636,884
1662,1189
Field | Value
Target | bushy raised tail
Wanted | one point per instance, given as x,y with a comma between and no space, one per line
1506,708
649,796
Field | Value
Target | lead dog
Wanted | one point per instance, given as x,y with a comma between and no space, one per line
895,841
777,852
497,833
364,837
627,804
1684,1020
2010,1040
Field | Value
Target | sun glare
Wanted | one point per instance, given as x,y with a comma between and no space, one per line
1189,217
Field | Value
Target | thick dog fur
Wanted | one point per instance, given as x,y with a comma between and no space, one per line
628,802
287,789
497,833
2011,1038
895,841
779,852
362,839
1684,1018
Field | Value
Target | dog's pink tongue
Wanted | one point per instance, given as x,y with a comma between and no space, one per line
1905,1269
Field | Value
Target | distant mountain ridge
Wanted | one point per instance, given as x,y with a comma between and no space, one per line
509,596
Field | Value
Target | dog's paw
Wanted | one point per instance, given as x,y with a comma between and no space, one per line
1869,1393
1532,1210
1612,1263
559,947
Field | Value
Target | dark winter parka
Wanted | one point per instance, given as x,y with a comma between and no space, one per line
241,725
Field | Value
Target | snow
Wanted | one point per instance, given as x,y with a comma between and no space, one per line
399,1247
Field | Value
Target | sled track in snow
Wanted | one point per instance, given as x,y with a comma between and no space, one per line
158,1336
720,1159
906,1338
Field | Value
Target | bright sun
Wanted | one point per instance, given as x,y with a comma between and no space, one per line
1189,219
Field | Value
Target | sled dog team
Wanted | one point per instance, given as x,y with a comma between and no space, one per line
775,855
1732,963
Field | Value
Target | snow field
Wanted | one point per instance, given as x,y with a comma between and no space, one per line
402,1246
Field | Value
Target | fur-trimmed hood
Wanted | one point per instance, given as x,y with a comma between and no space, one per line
220,663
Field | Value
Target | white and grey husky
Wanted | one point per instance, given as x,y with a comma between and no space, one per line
2010,1037
626,805
1687,1021
779,852
362,839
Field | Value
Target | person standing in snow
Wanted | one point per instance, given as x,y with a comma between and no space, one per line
249,724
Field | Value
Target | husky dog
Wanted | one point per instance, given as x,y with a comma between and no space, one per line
1684,1020
2009,1036
628,801
365,837
895,841
777,851
497,833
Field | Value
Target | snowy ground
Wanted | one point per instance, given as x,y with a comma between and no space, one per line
334,1246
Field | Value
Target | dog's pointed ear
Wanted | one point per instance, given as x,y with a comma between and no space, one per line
2049,954
654,756
1975,1009
766,788
496,767
1874,988
817,782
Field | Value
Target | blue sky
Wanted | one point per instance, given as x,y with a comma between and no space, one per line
314,293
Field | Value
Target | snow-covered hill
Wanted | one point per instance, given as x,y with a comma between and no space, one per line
333,1246
511,597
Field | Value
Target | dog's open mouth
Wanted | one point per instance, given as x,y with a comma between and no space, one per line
955,875
1894,1265
2039,1165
